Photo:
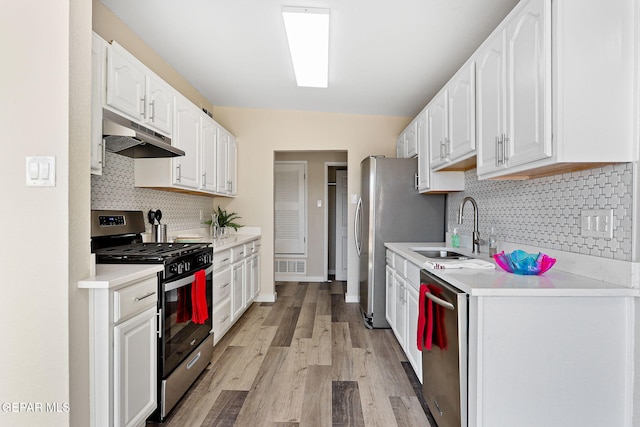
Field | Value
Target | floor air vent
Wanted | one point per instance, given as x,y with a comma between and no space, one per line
291,266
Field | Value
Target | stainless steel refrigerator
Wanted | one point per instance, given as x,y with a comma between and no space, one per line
390,210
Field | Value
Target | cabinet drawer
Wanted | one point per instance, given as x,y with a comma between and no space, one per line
413,274
390,257
221,259
221,285
237,253
221,319
135,298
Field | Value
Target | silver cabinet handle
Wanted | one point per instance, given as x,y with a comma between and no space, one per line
506,148
145,296
224,286
143,111
178,172
501,150
224,318
152,111
204,179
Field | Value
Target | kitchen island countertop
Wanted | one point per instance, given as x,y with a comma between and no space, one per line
497,282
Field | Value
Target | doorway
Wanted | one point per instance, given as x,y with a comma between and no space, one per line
312,265
337,220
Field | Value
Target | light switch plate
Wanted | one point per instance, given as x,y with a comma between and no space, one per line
41,171
597,223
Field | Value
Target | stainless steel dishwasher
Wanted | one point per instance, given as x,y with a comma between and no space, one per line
445,365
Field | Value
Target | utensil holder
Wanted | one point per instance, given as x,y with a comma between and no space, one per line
159,233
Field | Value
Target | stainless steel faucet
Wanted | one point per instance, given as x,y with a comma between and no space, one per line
476,235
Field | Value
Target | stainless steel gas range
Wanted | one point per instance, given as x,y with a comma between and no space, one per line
185,333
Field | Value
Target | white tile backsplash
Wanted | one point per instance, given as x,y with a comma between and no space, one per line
545,212
115,190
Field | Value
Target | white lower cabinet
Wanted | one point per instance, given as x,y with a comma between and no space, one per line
134,369
124,352
403,281
236,283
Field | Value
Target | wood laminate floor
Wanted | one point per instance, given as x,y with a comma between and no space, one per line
305,360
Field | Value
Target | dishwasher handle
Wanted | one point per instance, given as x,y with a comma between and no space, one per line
439,301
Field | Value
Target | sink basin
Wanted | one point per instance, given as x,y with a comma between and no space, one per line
439,253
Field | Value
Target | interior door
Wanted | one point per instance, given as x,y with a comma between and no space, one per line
342,217
290,208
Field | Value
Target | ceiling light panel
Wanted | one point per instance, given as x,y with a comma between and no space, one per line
308,35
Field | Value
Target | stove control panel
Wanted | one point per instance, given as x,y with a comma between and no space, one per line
111,220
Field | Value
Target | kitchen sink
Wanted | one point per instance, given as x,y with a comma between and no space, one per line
439,254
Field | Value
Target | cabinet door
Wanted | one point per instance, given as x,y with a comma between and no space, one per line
125,83
461,94
98,58
208,154
400,292
424,170
232,166
528,80
159,109
411,140
401,151
491,102
134,369
221,161
411,346
186,136
390,309
237,291
437,130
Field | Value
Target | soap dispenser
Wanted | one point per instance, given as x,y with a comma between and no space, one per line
455,239
493,242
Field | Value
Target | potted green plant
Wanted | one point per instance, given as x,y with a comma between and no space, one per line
221,220
226,219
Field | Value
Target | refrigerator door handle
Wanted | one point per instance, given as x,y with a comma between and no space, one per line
357,226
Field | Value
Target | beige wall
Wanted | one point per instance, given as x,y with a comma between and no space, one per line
316,185
45,257
260,133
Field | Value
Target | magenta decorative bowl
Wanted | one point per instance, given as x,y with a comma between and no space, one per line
520,262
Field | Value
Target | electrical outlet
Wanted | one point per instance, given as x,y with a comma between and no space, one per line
597,223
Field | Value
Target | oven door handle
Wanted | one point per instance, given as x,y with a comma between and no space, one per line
439,301
184,281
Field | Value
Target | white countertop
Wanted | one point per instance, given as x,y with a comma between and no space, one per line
113,275
232,240
500,283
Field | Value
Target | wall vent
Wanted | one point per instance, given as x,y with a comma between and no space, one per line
291,266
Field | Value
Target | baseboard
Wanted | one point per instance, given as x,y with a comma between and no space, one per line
267,298
351,298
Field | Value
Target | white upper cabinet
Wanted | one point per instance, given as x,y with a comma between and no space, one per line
98,61
555,89
437,129
226,164
133,90
461,104
452,132
186,136
209,140
411,140
514,91
429,181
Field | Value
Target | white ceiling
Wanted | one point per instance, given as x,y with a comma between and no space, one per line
386,57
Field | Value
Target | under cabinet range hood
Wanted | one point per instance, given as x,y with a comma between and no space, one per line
125,137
